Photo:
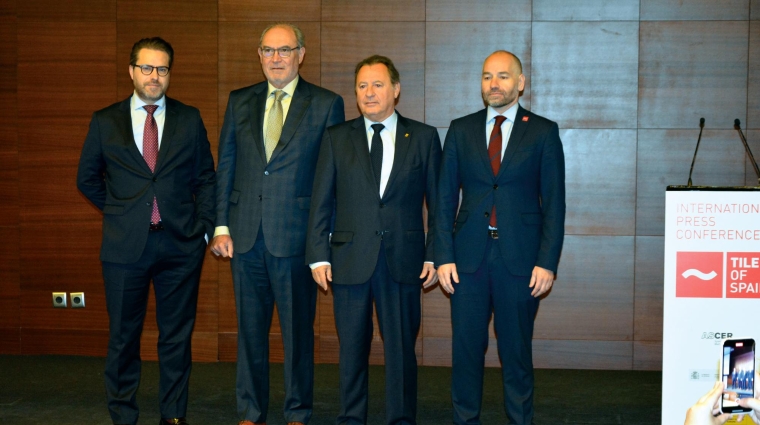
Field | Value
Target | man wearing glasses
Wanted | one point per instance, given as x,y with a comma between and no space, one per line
267,155
146,164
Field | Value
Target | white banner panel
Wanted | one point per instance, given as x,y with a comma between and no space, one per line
711,287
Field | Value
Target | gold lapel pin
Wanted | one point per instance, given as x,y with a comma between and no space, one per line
406,135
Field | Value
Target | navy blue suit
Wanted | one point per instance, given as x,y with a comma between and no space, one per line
377,251
114,176
529,195
266,207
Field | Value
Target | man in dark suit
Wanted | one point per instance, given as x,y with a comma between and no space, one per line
502,248
267,155
377,171
147,165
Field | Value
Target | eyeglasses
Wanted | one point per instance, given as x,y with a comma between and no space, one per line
163,71
284,52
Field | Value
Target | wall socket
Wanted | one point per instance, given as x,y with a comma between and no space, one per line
59,299
77,300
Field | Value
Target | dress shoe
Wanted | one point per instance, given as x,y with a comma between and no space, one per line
295,423
251,423
174,421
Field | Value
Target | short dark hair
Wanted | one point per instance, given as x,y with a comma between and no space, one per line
153,43
375,60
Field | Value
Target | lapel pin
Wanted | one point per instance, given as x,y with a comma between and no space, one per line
406,135
525,119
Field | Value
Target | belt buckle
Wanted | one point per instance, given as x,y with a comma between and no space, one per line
493,233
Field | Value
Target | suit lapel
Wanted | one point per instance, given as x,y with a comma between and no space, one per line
170,126
128,136
515,138
481,140
298,106
359,140
401,147
256,106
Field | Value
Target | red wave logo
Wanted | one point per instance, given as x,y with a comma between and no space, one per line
699,274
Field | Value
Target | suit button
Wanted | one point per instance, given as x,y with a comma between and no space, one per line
382,205
155,179
266,173
259,197
496,186
486,214
148,204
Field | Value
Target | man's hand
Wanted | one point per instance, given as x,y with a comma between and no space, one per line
222,246
322,275
702,412
541,281
447,275
432,277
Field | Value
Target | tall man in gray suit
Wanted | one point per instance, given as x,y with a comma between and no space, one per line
146,164
498,252
267,155
376,171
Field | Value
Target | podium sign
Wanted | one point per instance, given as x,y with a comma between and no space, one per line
711,287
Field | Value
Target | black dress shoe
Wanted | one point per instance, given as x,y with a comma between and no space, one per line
175,421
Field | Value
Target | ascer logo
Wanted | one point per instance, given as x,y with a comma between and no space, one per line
699,274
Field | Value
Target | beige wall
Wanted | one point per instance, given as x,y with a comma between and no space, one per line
627,81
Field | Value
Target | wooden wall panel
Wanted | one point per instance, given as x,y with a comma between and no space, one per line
484,10
648,288
585,73
269,10
70,342
664,158
402,42
753,79
389,10
600,180
76,10
166,10
647,355
7,11
689,70
595,275
685,10
10,290
754,7
454,64
568,354
585,10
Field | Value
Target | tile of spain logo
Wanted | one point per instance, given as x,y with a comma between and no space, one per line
699,274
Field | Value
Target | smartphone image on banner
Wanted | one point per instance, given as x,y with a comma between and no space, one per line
737,368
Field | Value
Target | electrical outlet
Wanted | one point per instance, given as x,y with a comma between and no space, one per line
59,299
77,300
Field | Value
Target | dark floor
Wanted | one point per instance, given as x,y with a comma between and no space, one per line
69,391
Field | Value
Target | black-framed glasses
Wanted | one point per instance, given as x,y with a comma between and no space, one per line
284,52
163,71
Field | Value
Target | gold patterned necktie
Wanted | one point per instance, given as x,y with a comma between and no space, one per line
274,124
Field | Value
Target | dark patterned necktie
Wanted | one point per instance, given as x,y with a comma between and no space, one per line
376,153
494,154
150,152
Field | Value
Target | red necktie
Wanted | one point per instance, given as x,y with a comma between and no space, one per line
494,154
150,152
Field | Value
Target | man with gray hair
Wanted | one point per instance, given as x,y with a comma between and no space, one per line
267,155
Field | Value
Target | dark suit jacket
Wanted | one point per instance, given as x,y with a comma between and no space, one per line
345,179
276,196
114,176
529,193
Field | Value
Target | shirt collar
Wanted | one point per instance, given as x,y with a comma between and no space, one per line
389,123
137,103
510,113
289,88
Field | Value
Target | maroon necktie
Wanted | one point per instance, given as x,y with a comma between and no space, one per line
494,154
150,152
